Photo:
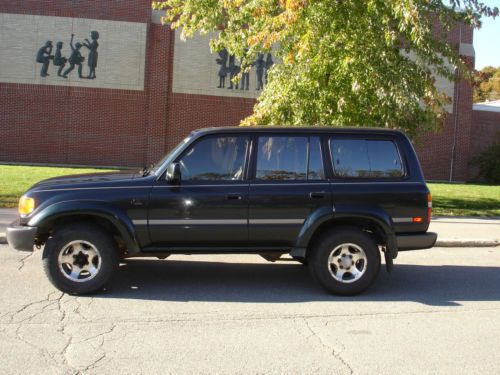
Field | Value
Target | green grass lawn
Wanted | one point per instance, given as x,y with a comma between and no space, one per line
448,199
15,179
465,199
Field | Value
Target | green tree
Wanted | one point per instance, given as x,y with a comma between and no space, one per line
341,60
487,84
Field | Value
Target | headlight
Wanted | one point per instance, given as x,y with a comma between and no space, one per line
26,205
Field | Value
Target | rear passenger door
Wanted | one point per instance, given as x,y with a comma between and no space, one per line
288,184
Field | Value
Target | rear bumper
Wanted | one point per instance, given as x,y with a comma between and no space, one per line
418,241
21,237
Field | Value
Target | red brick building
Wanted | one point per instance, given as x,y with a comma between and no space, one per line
143,99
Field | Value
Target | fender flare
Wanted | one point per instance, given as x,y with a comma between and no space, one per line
324,214
105,210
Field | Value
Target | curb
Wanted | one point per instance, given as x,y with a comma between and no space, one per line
476,242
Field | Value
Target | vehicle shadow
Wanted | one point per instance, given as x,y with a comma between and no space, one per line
290,282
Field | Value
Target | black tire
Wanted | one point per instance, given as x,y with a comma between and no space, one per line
106,262
325,273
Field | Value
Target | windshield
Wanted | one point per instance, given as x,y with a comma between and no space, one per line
170,155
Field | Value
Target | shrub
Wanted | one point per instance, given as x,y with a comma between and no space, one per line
489,164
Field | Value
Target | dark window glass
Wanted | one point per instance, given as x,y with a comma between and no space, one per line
281,158
384,159
365,158
215,159
315,170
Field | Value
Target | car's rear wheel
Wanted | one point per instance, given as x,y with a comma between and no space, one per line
80,258
346,261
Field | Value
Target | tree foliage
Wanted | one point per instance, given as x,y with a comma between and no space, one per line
341,60
487,84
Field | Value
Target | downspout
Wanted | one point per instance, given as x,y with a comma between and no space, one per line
456,98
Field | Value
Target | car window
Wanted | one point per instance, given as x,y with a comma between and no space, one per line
281,158
315,169
215,159
365,158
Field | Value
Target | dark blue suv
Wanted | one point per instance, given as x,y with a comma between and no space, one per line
335,199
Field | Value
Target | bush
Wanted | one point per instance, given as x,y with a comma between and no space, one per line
489,164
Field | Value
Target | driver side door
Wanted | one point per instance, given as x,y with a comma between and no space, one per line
209,208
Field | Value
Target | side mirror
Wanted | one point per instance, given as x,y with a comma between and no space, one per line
173,175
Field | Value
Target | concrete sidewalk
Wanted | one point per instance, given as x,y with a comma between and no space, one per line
452,231
466,231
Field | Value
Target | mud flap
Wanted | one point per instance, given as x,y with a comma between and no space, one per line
389,263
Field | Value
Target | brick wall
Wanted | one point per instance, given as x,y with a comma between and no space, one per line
118,10
75,125
485,131
435,149
444,154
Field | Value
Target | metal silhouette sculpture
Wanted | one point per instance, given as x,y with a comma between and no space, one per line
245,74
261,64
44,56
222,61
92,58
59,59
76,58
234,70
228,66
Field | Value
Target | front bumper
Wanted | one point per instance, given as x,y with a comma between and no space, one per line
21,237
416,241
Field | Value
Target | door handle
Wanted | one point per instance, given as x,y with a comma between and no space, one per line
136,202
317,194
234,196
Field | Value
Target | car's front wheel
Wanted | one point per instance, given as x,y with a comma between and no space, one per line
345,261
80,258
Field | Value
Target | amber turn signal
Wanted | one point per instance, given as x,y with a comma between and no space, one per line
26,205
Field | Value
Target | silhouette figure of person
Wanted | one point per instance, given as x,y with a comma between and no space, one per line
92,58
245,75
59,59
234,70
222,60
44,56
269,64
75,58
261,64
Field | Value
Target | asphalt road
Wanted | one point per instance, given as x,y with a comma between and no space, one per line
439,312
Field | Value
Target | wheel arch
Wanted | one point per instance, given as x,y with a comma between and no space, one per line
374,220
103,214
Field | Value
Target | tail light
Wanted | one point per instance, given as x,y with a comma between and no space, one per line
429,207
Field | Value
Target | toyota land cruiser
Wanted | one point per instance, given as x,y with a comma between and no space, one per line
335,199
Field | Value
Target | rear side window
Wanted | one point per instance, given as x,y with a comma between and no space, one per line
365,158
286,157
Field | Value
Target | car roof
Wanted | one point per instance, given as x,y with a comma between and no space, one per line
297,130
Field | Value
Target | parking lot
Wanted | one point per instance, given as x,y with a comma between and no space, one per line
439,311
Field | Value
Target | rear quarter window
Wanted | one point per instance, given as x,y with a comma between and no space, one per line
365,158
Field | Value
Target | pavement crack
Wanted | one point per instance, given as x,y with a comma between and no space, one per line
23,260
335,353
25,307
42,350
102,334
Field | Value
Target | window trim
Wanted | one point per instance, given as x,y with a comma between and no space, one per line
217,182
253,159
337,178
